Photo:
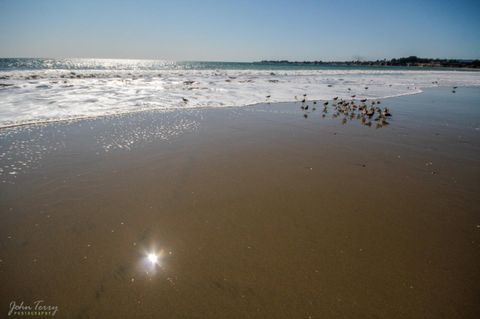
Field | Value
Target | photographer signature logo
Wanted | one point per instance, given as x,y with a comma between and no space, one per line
37,308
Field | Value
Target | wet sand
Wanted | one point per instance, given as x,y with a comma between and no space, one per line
254,212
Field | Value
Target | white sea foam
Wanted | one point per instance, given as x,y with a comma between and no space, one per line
52,95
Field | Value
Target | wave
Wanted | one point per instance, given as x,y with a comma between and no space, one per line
50,94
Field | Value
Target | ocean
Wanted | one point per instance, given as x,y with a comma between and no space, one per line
44,90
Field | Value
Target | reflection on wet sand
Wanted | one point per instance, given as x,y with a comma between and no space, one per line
152,261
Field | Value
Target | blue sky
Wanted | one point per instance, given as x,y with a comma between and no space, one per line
239,30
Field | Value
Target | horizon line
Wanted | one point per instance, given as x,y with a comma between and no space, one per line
249,61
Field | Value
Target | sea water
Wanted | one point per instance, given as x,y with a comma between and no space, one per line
43,90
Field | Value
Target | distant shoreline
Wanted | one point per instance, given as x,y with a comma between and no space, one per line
411,61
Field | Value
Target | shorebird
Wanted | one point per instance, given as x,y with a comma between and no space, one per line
353,96
326,103
383,121
306,107
184,100
363,101
268,96
386,112
303,101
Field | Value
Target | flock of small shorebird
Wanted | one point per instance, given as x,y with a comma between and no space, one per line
350,109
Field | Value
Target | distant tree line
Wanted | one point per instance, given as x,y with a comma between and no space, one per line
411,61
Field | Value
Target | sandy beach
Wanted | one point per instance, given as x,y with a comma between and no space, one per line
266,211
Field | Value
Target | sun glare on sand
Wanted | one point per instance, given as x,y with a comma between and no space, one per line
152,261
153,258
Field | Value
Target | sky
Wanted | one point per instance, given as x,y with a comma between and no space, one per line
209,30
